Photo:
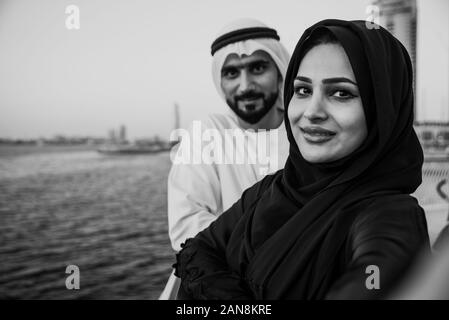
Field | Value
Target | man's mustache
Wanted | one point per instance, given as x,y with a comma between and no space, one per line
249,95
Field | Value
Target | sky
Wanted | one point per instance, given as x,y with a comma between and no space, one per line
129,62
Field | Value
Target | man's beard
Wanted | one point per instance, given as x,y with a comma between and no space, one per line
253,117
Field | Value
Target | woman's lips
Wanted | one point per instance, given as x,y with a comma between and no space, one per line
317,134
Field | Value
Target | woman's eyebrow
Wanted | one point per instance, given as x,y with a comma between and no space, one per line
305,79
337,80
328,80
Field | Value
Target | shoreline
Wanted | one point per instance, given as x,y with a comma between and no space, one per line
18,150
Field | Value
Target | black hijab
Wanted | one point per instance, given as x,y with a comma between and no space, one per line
296,227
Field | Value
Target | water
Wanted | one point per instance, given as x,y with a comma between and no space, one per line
107,215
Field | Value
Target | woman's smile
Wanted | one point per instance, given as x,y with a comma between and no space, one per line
317,134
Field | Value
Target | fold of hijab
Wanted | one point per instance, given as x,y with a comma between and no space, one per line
297,226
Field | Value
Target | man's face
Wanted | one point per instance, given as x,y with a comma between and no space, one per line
251,84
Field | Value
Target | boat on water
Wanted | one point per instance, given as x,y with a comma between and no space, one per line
129,149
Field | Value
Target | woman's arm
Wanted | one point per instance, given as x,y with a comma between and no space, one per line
383,242
202,264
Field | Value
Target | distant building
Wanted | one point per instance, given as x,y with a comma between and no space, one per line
122,133
177,124
399,17
111,136
423,28
432,94
177,118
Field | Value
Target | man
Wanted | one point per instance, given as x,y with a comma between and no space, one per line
248,68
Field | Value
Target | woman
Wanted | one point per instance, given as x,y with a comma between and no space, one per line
338,220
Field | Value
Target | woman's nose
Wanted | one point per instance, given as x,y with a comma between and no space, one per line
316,110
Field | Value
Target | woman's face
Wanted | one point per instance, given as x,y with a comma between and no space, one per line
326,113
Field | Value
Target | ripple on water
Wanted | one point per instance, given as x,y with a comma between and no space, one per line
107,215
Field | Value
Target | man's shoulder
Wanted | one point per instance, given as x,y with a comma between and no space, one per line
222,121
214,121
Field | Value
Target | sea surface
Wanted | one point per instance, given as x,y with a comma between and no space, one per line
68,206
107,215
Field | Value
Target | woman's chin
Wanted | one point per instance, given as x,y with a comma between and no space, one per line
314,154
320,155
317,158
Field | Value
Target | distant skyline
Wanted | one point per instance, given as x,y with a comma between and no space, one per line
129,63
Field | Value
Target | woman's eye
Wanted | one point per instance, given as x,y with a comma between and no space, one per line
302,91
342,94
